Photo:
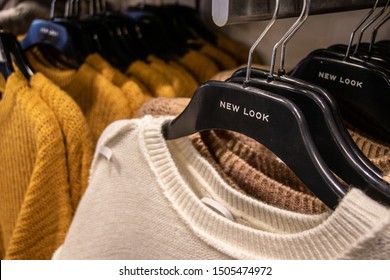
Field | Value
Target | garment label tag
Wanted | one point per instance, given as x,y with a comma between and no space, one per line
105,151
218,207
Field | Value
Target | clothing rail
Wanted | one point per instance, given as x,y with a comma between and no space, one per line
226,12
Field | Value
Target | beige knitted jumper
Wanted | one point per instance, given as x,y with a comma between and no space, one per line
144,202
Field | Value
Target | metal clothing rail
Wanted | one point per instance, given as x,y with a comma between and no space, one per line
226,12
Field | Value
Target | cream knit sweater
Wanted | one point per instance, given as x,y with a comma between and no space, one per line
143,202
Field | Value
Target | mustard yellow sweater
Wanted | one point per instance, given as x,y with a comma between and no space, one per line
157,84
76,133
223,60
236,49
199,65
35,207
133,89
100,100
183,83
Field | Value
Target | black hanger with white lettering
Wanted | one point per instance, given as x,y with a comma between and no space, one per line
273,120
327,130
361,88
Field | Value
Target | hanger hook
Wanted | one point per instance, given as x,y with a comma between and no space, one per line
70,8
357,27
291,32
270,24
378,15
302,17
375,31
52,9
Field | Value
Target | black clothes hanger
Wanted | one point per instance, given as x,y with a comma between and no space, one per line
348,143
326,135
272,120
157,31
12,52
360,87
267,117
104,40
83,46
326,127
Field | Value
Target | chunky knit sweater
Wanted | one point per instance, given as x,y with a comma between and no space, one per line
100,101
183,83
222,59
114,221
35,205
77,136
135,92
156,82
199,65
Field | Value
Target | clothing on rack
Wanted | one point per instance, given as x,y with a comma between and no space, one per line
172,177
87,171
247,165
36,207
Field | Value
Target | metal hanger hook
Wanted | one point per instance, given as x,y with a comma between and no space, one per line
52,9
302,17
357,27
375,31
292,31
375,18
268,27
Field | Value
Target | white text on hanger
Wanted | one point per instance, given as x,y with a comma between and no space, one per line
245,111
342,80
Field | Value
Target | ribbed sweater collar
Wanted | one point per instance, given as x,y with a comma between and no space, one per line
356,217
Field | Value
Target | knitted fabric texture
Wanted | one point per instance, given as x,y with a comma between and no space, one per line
199,65
75,130
221,59
236,49
267,182
157,84
184,85
112,74
191,80
173,177
35,208
259,185
100,101
135,92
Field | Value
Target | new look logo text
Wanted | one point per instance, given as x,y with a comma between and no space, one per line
244,110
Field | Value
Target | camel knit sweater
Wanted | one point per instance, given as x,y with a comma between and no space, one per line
114,222
100,101
35,207
76,133
272,182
